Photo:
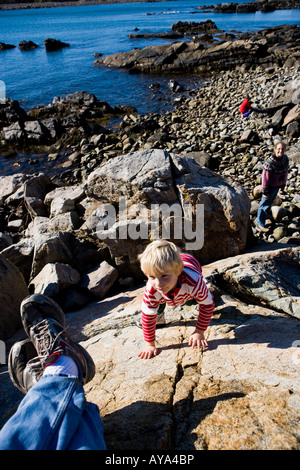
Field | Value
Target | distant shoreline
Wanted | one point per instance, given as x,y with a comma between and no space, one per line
276,5
31,5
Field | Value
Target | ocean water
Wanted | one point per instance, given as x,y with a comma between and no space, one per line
36,77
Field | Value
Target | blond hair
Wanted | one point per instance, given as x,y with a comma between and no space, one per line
159,257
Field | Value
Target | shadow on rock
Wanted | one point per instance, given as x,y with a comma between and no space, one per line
155,426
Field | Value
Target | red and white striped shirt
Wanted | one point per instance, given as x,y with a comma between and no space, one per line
190,286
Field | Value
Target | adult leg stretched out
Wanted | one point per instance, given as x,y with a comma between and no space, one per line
51,370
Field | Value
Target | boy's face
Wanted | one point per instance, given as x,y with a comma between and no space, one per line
165,282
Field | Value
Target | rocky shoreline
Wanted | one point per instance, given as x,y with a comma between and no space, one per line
252,7
212,51
205,126
75,135
55,239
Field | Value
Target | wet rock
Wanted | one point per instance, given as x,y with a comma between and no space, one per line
54,44
187,28
36,133
174,86
27,46
5,47
14,133
10,112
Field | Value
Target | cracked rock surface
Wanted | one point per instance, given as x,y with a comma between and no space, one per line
243,393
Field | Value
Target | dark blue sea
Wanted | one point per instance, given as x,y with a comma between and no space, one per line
36,77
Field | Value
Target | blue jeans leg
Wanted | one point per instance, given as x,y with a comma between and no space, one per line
54,414
265,205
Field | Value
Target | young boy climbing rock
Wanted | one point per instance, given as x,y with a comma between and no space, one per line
174,278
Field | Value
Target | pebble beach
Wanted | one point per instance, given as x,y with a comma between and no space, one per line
207,125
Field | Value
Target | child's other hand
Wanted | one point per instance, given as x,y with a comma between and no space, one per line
148,351
197,340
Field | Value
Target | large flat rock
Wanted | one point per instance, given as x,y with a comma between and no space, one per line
243,393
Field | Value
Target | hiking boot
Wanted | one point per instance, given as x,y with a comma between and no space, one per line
38,307
24,366
44,323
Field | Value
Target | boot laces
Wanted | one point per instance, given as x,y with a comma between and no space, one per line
46,338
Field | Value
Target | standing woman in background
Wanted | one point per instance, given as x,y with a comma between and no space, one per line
274,177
